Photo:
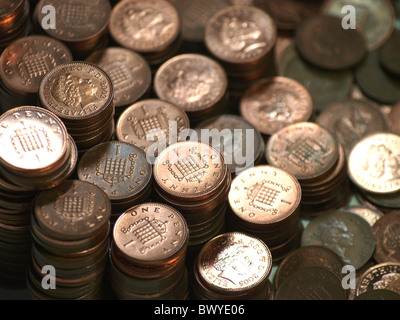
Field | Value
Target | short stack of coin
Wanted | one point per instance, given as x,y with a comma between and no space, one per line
311,154
82,95
193,178
121,170
70,230
151,28
82,26
14,21
242,38
265,202
36,151
147,260
233,266
24,63
195,83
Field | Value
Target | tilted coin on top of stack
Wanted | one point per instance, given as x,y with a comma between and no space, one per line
310,153
81,94
70,230
148,254
233,266
265,202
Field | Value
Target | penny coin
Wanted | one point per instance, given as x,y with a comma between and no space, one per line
234,262
129,72
305,149
369,214
378,294
151,233
347,234
73,210
311,283
274,103
323,42
375,19
351,120
145,27
387,234
387,54
374,163
145,120
377,277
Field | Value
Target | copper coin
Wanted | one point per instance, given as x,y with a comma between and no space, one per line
377,277
73,210
264,195
129,72
26,61
311,283
234,262
9,6
369,214
76,91
375,19
387,234
240,34
274,103
145,27
148,121
393,118
374,163
305,149
189,170
378,294
193,82
151,233
323,42
120,169
387,54
32,139
352,119
346,233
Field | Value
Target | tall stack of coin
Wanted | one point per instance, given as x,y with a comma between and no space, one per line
129,72
121,170
82,26
151,28
24,63
242,39
82,95
70,230
193,178
148,254
311,154
36,151
373,168
194,82
233,266
264,202
14,21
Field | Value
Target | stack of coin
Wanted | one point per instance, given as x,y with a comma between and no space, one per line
81,94
24,63
373,168
194,82
310,153
233,266
82,26
36,151
193,178
151,28
70,230
242,39
129,72
147,259
264,202
121,170
14,21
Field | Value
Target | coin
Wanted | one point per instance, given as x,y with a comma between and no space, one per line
386,54
373,163
369,214
393,117
323,42
394,285
387,234
274,103
378,294
347,234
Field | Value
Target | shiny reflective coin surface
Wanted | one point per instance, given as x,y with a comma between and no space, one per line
387,234
369,214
